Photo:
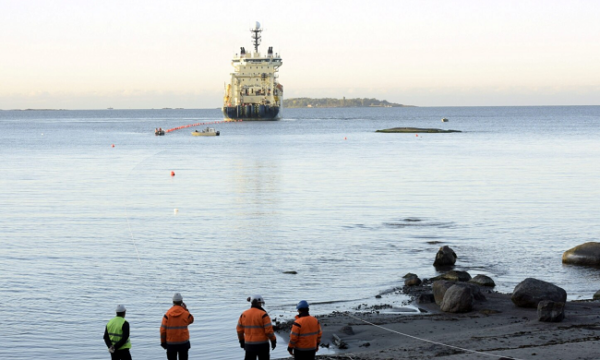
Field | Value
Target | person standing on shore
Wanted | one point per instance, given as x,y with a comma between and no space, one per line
254,330
116,336
174,334
305,335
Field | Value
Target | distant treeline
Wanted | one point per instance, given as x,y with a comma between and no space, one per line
330,102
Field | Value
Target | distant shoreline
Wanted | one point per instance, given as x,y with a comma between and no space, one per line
338,103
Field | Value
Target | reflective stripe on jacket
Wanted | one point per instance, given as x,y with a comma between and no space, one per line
115,331
306,333
174,328
254,327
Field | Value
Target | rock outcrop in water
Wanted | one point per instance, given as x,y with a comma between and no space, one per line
445,257
584,254
413,130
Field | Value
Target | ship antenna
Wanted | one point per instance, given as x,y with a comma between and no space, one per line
256,35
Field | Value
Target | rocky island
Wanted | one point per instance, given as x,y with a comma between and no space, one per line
414,130
336,103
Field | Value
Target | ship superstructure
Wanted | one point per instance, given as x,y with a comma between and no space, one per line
254,92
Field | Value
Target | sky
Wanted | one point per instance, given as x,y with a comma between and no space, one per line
130,54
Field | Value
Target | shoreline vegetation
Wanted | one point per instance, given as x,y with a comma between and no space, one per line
338,103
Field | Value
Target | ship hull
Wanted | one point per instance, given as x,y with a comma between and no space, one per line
251,112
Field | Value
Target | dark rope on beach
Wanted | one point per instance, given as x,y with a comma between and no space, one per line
435,342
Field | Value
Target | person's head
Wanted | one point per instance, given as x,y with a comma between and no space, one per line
302,306
121,310
177,299
256,301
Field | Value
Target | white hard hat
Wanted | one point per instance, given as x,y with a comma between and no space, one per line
121,308
177,297
257,298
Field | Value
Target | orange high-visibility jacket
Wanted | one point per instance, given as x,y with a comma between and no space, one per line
254,327
306,333
174,328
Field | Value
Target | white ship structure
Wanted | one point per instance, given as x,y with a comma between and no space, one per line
254,92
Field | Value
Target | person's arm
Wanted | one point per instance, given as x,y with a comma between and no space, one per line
190,318
294,337
107,338
163,332
125,336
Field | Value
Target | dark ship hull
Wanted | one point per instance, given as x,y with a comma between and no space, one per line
251,112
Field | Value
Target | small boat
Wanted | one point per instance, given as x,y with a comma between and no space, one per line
444,120
206,132
159,132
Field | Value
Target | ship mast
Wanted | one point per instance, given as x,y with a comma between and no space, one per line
256,35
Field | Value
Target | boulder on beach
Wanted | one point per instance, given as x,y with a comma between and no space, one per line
475,290
458,299
529,292
445,257
439,289
550,311
584,254
483,280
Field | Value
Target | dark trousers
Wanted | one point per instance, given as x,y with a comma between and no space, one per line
172,354
121,355
305,355
261,351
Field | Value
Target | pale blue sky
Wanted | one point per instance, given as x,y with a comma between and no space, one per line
154,54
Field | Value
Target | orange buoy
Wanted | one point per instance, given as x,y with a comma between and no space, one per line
345,138
113,145
172,173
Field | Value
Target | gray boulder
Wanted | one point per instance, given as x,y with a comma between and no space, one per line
529,292
458,299
550,311
584,254
483,280
445,257
412,281
454,275
439,290
475,290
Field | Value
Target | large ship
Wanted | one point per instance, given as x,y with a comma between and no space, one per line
254,92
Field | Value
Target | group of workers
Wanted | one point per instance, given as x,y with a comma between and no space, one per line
254,330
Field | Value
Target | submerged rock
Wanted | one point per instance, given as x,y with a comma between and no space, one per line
529,292
584,254
445,257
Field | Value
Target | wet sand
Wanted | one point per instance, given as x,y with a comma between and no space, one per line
495,329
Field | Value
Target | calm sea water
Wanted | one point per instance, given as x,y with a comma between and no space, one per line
85,226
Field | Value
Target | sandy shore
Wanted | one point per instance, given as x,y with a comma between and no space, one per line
495,329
